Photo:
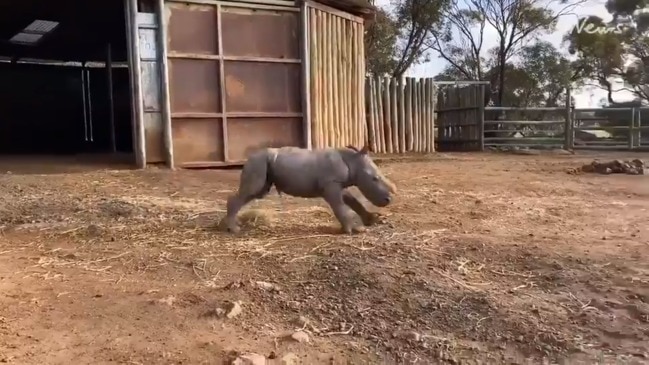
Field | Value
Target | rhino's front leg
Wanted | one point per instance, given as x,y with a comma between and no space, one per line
333,195
367,217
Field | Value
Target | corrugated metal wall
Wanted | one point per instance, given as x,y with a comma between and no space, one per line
234,80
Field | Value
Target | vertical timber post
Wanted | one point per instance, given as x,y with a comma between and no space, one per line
133,42
111,104
224,109
632,129
306,72
567,129
481,116
164,84
639,125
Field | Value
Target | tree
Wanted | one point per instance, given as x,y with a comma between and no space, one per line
539,76
515,22
396,40
615,50
380,44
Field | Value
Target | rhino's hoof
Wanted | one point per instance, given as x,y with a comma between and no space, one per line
354,229
371,219
359,229
232,228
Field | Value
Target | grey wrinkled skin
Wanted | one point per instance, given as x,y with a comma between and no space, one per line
323,173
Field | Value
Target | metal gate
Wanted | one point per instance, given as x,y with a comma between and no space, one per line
460,116
235,80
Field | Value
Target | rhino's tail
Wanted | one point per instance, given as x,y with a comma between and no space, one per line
256,178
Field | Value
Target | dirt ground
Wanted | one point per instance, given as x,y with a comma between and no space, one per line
484,258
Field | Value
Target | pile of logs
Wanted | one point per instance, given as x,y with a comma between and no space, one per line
633,167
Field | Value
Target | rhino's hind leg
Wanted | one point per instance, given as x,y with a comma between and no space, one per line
367,217
254,184
334,196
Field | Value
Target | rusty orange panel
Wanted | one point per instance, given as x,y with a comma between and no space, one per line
262,87
194,86
271,34
197,140
192,28
246,135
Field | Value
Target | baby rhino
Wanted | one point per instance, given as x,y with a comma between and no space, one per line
323,173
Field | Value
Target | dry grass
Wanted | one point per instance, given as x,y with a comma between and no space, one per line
514,256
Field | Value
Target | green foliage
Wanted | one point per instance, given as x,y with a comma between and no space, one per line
520,72
621,54
397,40
380,44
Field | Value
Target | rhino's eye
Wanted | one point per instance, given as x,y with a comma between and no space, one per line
375,178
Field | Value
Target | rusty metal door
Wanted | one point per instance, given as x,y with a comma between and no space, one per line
234,80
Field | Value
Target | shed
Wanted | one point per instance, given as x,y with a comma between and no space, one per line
191,83
239,76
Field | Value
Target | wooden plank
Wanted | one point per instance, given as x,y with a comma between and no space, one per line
370,113
568,125
305,55
387,115
222,90
526,122
402,115
381,115
281,5
165,109
136,82
360,44
327,35
481,122
416,115
505,139
408,115
394,116
430,101
345,89
199,56
335,12
336,74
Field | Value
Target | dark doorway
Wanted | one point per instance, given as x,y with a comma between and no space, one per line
55,97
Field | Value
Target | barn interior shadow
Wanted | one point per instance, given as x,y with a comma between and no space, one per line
48,164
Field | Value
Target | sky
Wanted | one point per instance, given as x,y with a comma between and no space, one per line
585,98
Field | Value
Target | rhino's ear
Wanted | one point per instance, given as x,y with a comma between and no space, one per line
352,148
365,149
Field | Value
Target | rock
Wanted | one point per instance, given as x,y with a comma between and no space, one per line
290,359
303,321
408,335
168,300
267,286
300,336
234,310
235,285
250,359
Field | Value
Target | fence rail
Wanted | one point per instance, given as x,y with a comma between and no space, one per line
610,128
400,114
528,133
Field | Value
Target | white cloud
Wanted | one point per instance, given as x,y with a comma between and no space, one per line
588,97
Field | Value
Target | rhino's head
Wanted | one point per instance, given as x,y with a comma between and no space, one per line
369,179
